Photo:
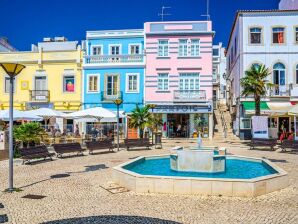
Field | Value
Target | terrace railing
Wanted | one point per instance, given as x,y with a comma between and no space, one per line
189,95
114,59
39,95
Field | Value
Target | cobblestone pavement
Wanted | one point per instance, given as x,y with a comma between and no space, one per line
79,198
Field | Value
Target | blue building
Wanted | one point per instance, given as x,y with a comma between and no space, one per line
113,68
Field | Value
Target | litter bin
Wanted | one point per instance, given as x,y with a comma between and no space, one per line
158,137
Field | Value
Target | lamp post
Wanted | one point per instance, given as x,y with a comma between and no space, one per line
152,106
11,70
118,102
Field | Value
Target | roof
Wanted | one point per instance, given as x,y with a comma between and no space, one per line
253,11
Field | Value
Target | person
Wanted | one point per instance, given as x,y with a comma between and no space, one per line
291,135
179,130
56,126
77,131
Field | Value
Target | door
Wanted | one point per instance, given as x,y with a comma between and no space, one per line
112,86
283,125
115,50
40,92
279,79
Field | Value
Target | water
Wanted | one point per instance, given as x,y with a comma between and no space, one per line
235,169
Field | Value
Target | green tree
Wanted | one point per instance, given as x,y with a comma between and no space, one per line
141,118
29,133
254,83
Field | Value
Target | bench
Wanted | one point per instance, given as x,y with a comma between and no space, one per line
263,142
35,152
288,144
99,145
137,143
62,148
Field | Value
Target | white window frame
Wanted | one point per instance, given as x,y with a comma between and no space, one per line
115,45
98,83
284,35
199,47
96,46
189,76
14,86
163,46
134,44
163,81
184,45
127,83
261,35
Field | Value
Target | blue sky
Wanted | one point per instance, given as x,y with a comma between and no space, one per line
26,22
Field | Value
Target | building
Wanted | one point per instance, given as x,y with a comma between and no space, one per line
288,4
178,78
52,77
5,46
114,64
219,72
269,37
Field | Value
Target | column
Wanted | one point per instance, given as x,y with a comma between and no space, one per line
210,125
191,124
164,120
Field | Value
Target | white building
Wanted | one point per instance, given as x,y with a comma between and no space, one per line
218,73
288,4
271,38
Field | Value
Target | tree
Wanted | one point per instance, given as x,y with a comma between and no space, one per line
141,118
255,83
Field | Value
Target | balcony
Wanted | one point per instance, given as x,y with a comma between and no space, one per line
114,59
110,96
280,91
189,95
39,95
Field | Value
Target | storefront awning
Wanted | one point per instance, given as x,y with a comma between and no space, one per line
270,108
249,107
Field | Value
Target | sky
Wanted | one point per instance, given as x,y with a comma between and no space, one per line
26,22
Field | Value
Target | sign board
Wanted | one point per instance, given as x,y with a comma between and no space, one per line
182,109
260,127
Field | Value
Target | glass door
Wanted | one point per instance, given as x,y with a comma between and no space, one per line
40,92
112,85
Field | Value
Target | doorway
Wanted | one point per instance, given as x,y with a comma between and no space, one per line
178,125
283,125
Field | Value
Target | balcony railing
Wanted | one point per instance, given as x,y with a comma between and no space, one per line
114,59
215,78
39,95
280,90
189,95
111,96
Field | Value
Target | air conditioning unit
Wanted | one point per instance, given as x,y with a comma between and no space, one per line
60,39
47,39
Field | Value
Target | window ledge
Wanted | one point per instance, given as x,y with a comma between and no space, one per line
161,57
189,57
162,91
135,92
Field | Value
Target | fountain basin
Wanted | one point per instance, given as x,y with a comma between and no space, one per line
152,174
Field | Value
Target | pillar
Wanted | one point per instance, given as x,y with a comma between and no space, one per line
210,125
191,124
164,118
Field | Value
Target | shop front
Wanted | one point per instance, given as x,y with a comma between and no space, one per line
185,121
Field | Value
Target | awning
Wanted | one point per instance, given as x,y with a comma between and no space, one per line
249,107
270,108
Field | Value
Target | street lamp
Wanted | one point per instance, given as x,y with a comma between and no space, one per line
152,106
118,102
11,70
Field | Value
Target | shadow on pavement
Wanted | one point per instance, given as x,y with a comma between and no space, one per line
113,219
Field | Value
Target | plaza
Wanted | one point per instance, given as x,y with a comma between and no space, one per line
82,196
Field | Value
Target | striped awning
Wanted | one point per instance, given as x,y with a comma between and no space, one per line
270,108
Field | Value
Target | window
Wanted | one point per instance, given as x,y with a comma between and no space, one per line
112,85
163,81
132,83
7,84
183,47
256,65
195,47
189,81
163,48
297,74
68,83
93,83
115,50
296,34
279,79
278,35
255,35
97,50
134,49
215,52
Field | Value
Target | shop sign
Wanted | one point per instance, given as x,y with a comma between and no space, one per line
182,109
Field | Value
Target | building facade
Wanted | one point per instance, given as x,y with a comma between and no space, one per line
52,77
114,64
269,38
178,79
288,4
5,46
219,73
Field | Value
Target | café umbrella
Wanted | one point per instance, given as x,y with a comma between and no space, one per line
95,112
19,115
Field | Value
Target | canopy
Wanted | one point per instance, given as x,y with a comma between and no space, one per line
103,120
96,112
19,115
47,113
270,108
293,110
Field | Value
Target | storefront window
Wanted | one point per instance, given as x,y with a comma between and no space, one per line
245,123
272,122
201,124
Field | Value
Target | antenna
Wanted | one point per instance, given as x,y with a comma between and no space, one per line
207,11
162,14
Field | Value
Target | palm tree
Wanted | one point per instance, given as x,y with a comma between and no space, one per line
140,118
255,83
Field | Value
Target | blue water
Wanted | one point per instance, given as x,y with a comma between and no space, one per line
235,169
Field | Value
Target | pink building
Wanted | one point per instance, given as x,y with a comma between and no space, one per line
288,4
178,78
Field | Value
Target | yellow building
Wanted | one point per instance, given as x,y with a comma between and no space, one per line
52,77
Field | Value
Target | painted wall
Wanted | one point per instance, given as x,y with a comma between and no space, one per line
173,65
288,4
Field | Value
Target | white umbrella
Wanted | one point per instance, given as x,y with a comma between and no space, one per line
19,115
96,112
47,113
103,120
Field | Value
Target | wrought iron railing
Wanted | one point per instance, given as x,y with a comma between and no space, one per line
114,59
189,95
39,95
111,95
